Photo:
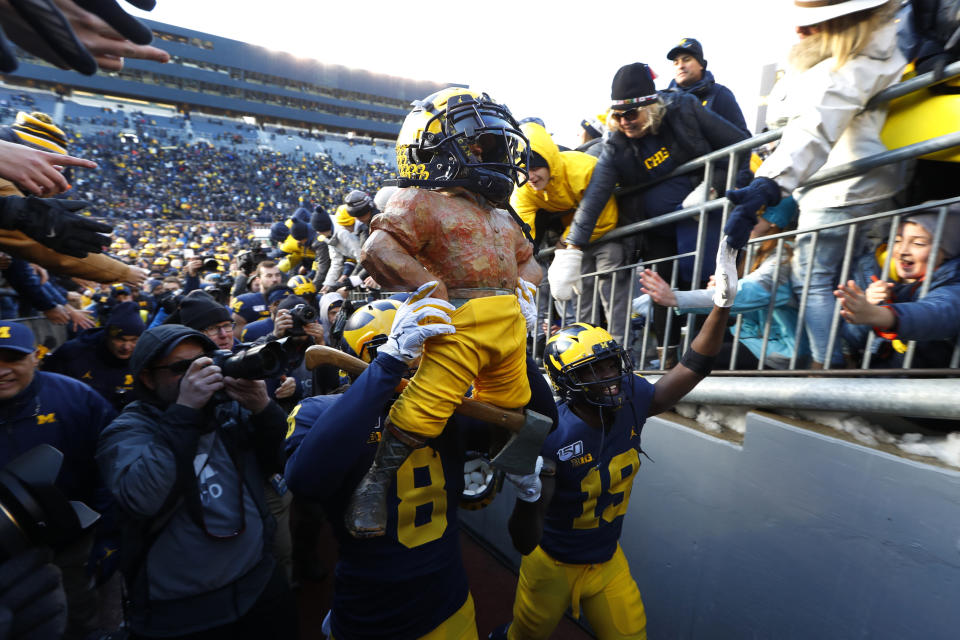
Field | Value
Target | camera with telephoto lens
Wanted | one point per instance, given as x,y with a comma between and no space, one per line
263,361
209,263
302,314
33,510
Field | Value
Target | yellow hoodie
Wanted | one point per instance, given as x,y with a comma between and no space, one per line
570,173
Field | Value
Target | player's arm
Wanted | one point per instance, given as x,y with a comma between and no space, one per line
693,367
526,522
331,443
392,266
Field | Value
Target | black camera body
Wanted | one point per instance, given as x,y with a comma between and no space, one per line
209,263
263,361
248,260
169,301
302,314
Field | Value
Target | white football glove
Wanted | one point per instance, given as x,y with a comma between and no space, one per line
419,318
527,297
564,273
725,277
528,486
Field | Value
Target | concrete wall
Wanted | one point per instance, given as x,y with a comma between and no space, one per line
792,534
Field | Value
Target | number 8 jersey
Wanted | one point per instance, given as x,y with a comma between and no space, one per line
595,471
408,582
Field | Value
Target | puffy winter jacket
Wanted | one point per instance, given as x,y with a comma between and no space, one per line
821,110
570,173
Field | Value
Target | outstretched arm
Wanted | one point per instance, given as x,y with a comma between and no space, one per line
680,380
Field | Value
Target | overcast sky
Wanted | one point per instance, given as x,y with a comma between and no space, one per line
553,61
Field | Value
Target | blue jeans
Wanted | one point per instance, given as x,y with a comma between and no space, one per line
827,264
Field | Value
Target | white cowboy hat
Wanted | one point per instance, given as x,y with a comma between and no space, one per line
808,12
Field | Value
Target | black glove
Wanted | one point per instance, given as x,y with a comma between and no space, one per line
761,192
125,24
32,602
54,29
52,223
8,61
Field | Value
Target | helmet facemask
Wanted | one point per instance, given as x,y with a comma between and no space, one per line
601,381
473,142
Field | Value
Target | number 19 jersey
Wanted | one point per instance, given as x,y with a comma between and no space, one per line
595,471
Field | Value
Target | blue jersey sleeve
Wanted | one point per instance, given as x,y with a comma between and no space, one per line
325,441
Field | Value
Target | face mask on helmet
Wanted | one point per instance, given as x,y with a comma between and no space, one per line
458,138
586,364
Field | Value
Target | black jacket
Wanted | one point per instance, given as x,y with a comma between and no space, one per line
688,131
716,98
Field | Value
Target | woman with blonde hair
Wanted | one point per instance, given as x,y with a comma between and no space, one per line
847,53
652,133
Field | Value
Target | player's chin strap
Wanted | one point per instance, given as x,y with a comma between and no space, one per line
466,184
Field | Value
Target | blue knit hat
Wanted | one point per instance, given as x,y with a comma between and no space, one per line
125,320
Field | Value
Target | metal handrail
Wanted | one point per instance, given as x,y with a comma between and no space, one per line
855,380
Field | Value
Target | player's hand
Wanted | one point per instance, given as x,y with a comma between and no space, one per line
199,383
527,297
725,277
419,318
528,486
564,273
370,283
39,172
282,323
657,288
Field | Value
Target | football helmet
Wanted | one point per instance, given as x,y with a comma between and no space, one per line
573,358
368,328
462,138
301,285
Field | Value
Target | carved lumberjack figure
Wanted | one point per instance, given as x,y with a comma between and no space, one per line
459,155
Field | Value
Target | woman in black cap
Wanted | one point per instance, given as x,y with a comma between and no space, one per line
652,134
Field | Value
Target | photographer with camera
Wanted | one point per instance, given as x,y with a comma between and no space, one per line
187,463
265,325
